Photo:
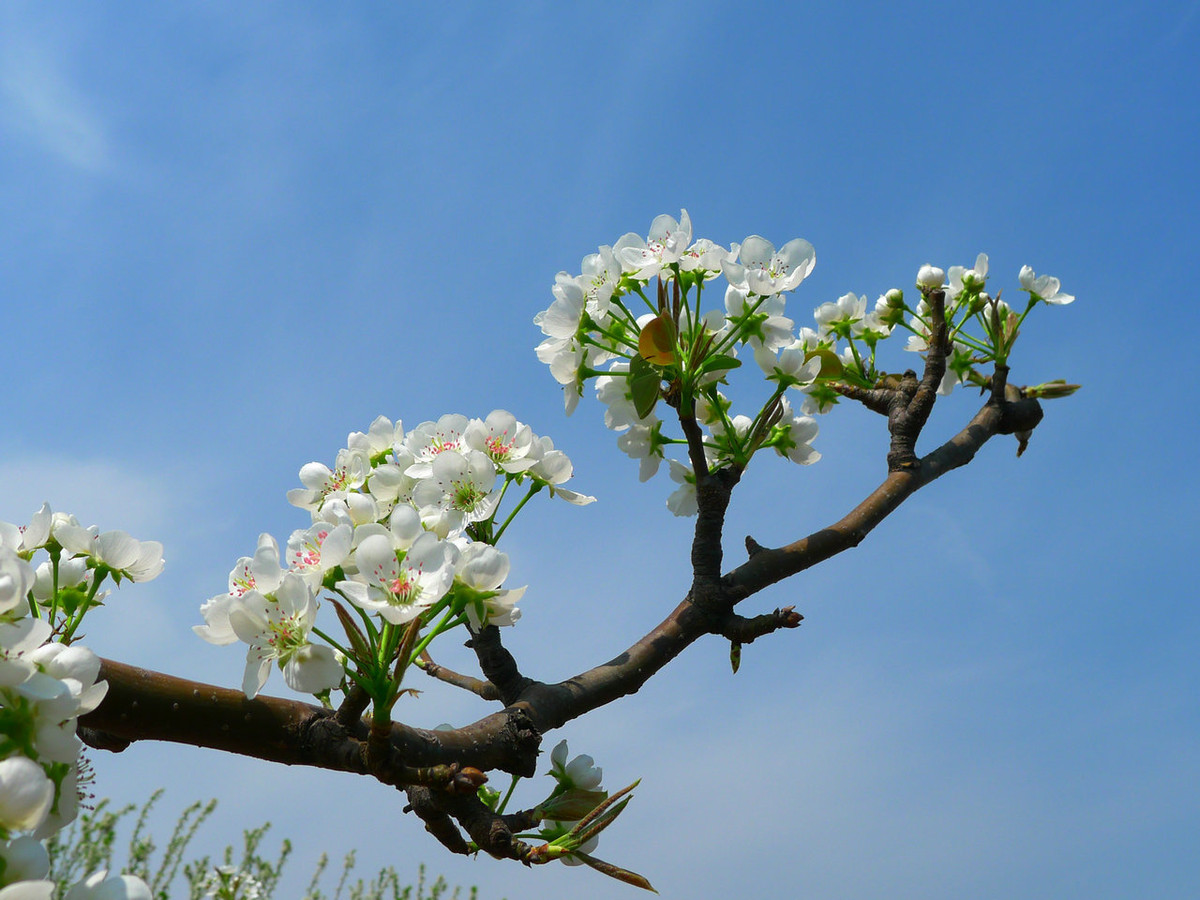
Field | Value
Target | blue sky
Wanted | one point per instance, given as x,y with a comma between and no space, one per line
234,233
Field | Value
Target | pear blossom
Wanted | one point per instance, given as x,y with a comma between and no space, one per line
601,275
840,316
962,278
354,509
793,436
27,538
791,366
379,440
315,551
25,794
482,568
642,442
349,473
664,245
682,501
504,440
42,711
17,639
99,886
462,483
615,392
553,468
276,626
430,439
766,326
707,258
581,772
16,580
23,859
562,318
763,270
1045,287
400,589
76,667
136,560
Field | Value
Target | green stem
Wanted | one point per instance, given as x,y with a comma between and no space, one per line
334,644
444,625
504,802
533,489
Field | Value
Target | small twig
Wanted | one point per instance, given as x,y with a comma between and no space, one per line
742,630
480,688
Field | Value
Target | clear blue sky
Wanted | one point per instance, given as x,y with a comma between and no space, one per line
233,233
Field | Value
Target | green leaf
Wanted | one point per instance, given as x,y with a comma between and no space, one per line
616,872
735,655
358,641
70,599
718,363
645,384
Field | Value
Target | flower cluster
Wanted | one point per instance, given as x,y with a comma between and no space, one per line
404,527
642,344
980,328
675,350
51,571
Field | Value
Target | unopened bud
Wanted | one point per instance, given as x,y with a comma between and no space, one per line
930,278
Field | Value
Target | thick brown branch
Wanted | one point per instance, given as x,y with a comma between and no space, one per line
772,565
497,664
145,705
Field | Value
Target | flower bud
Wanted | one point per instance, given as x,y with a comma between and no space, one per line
930,278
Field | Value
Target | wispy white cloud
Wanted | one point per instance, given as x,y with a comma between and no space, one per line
97,491
42,105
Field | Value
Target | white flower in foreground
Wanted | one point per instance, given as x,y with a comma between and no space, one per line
27,538
483,568
75,666
601,273
682,501
763,270
276,626
641,442
462,482
29,890
793,437
16,640
431,439
25,794
840,316
315,551
99,886
400,589
379,440
553,468
349,473
707,258
134,559
1044,287
581,772
23,859
504,440
664,245
766,326
16,580
962,278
